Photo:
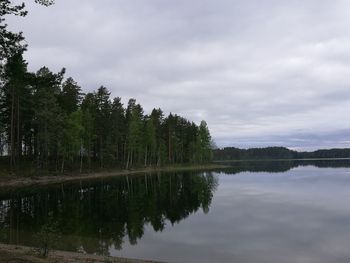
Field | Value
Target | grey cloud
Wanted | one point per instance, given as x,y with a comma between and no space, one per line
259,72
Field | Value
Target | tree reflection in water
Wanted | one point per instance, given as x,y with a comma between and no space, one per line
96,215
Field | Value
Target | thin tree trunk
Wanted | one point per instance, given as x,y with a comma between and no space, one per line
101,150
169,147
45,155
131,158
81,157
12,130
124,150
158,159
19,144
62,167
127,161
146,157
89,153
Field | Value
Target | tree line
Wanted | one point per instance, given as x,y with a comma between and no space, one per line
233,153
48,122
46,119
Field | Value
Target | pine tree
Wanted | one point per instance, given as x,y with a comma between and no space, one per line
70,97
49,117
117,130
72,142
14,92
204,143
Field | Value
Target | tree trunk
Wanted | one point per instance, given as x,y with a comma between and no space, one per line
101,153
62,167
169,146
146,157
81,159
131,159
127,161
19,144
12,130
89,153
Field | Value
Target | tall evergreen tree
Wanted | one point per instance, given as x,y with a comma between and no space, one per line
102,123
117,131
88,116
134,132
70,97
204,143
49,116
14,91
72,141
150,144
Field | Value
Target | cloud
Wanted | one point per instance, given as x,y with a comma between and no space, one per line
259,72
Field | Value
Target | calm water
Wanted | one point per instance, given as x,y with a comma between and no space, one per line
253,212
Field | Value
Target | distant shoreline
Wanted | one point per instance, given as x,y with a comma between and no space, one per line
278,160
278,153
14,182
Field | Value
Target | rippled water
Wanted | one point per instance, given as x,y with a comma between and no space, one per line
253,212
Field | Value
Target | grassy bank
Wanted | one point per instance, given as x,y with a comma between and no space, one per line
12,253
16,181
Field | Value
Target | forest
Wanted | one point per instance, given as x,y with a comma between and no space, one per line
232,153
47,122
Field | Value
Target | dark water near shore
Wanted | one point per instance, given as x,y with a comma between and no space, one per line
290,211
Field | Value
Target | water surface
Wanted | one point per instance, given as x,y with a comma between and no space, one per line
253,212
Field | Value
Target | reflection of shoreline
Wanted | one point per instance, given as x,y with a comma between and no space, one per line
10,182
95,216
278,166
279,160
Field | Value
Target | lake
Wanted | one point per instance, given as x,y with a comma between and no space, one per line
288,211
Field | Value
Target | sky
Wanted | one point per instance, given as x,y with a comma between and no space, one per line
261,73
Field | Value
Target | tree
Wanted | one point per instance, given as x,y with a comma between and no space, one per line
149,140
70,97
204,143
15,88
134,115
117,131
88,116
102,122
72,142
49,117
157,117
12,43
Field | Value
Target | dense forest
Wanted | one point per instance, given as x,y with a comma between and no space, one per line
48,123
232,153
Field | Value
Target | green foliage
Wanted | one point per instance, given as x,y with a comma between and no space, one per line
204,143
45,119
72,141
48,120
70,96
12,43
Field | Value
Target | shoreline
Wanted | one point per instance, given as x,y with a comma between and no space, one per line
16,253
279,160
15,182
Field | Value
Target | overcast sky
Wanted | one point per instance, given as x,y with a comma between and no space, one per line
272,72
